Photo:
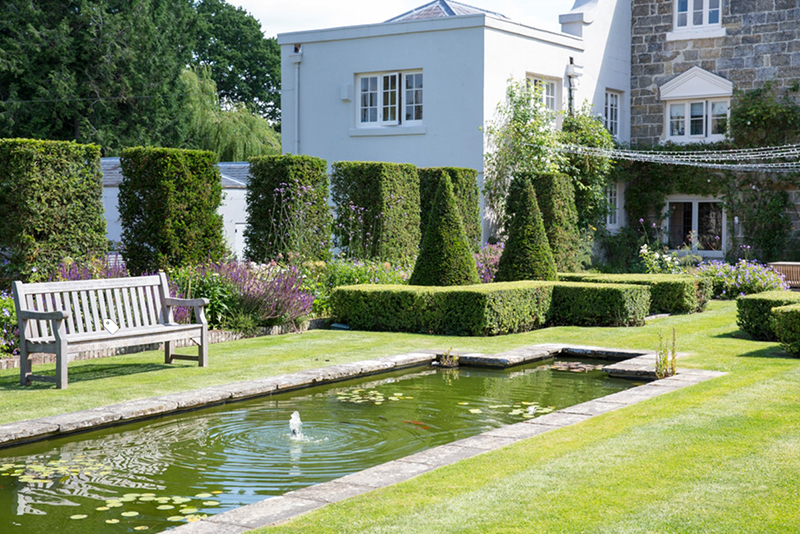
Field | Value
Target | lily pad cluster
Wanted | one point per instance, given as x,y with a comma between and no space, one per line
54,470
370,396
523,408
574,367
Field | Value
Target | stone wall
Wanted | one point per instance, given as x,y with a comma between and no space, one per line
761,44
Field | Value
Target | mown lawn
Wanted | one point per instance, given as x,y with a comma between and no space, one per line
722,456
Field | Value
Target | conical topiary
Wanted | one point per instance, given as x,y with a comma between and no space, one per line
445,258
527,254
556,196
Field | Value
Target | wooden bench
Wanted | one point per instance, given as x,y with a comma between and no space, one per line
64,318
790,271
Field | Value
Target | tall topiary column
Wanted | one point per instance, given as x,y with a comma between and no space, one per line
556,196
445,257
527,254
465,188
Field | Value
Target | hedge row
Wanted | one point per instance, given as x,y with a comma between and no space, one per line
669,293
488,309
51,201
168,205
786,324
754,312
287,208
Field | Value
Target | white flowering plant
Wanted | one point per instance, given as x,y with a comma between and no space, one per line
659,262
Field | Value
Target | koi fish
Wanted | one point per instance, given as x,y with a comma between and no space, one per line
417,424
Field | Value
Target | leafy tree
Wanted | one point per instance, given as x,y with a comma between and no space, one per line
244,64
445,256
520,141
234,132
589,173
95,71
527,254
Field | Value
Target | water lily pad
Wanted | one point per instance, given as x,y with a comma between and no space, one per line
78,516
129,514
134,495
146,499
141,527
476,410
148,495
188,510
179,500
203,495
216,492
112,521
176,518
210,503
114,504
165,507
102,508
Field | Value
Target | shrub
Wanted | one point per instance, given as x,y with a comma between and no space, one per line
556,197
444,258
669,293
377,210
168,202
487,259
754,312
743,278
465,189
488,309
9,333
659,262
588,304
322,278
51,201
786,325
463,310
527,254
287,209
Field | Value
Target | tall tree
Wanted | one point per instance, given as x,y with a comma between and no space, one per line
244,64
96,71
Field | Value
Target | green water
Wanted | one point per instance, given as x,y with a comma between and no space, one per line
153,475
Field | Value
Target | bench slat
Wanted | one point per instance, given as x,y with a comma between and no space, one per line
77,311
151,308
136,316
126,299
103,283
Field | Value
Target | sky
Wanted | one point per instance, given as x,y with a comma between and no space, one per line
280,16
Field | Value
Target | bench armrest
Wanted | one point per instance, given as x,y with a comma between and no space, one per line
174,301
57,315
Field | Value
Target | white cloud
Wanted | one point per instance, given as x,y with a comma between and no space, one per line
281,16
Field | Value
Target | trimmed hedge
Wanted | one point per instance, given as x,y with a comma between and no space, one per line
377,209
786,324
287,208
488,309
465,188
168,202
754,312
669,293
556,195
589,304
527,254
51,198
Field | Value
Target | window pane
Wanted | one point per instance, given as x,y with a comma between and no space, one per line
413,97
697,118
611,114
683,9
677,120
611,198
709,225
680,224
368,99
389,95
719,118
697,13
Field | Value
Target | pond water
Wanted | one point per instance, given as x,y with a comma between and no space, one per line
153,475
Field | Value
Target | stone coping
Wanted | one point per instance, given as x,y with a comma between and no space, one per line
634,364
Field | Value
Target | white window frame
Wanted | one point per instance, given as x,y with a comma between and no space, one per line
613,215
611,112
551,92
390,99
689,121
696,19
696,200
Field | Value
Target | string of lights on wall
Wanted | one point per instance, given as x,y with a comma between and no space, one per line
746,159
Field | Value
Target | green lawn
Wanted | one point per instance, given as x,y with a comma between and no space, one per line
722,456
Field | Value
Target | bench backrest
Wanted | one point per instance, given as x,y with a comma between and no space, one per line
129,302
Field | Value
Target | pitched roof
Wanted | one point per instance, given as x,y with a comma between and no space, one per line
234,175
441,9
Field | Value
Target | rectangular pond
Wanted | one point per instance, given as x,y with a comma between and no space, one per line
152,475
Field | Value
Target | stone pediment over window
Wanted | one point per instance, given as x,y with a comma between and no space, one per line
696,83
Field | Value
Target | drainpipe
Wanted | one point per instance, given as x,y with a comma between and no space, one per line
297,58
573,73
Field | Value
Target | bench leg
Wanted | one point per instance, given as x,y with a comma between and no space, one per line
169,351
62,360
24,365
202,349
